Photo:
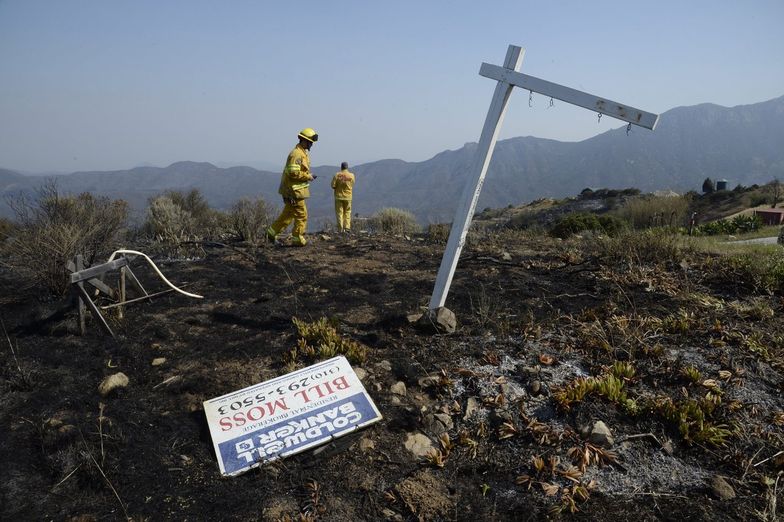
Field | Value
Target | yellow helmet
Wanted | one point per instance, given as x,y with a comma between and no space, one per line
308,134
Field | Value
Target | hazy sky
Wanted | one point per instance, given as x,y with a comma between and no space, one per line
98,84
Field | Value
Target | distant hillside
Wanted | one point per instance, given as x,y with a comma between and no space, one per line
741,144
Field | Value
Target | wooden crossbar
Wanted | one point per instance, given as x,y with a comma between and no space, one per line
93,276
98,270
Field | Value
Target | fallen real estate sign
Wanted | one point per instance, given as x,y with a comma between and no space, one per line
288,415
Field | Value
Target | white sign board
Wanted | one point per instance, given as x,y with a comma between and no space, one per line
288,415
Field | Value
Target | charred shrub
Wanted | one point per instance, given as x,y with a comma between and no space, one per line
248,218
6,229
176,216
393,221
53,228
438,232
167,221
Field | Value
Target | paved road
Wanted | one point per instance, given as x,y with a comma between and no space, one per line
759,241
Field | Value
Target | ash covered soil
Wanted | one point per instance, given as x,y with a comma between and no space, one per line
693,421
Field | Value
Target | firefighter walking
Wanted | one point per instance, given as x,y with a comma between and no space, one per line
343,184
295,189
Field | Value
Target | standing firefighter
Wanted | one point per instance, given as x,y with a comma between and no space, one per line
294,188
343,184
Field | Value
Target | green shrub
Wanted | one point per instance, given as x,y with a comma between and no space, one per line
612,225
248,218
319,340
53,228
693,419
745,224
756,199
737,225
574,224
605,193
393,221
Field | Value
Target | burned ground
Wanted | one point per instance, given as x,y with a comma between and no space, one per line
682,363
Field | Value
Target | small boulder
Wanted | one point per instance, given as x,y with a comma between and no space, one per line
430,380
399,388
506,256
601,435
158,361
438,423
440,320
113,382
361,373
392,515
721,489
366,445
535,387
418,444
413,318
473,405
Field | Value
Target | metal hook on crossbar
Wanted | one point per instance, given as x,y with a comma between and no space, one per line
599,120
628,128
530,98
551,101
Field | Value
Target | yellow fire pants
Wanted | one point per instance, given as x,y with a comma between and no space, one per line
294,210
343,213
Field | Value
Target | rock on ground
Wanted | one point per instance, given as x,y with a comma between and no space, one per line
418,444
113,382
441,320
721,489
601,435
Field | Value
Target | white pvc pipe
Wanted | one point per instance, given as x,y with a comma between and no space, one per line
135,253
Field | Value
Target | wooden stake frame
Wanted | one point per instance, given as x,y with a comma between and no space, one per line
93,276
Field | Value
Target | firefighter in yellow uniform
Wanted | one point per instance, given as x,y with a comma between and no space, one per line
294,188
343,184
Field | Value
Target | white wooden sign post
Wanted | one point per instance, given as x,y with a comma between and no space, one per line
509,77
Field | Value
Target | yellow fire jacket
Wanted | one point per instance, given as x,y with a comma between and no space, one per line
294,182
343,183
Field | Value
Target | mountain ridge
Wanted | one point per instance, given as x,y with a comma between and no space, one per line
690,143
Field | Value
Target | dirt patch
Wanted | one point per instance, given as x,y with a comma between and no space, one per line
426,497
